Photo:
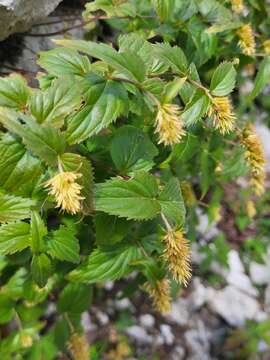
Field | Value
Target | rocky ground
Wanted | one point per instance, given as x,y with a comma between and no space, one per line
204,315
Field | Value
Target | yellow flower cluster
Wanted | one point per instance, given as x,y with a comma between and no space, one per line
255,158
177,254
160,295
188,193
66,191
237,5
246,39
169,125
78,347
266,46
223,115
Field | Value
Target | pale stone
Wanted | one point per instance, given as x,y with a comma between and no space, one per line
19,15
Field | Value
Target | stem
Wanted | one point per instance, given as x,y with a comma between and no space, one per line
71,327
166,222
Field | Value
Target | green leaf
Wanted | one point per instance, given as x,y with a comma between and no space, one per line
59,62
132,199
44,141
196,108
110,102
110,229
13,92
262,78
172,89
75,298
37,233
78,163
104,264
6,309
138,152
14,208
172,203
14,237
52,105
17,166
41,269
223,79
128,63
64,246
173,56
164,9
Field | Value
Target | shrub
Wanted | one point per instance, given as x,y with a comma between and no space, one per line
103,166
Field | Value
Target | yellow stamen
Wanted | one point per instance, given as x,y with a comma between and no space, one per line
160,295
78,347
255,158
266,46
188,193
246,39
169,125
237,5
223,115
66,191
251,210
177,254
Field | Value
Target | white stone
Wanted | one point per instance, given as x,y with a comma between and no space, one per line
234,306
87,323
179,312
267,298
123,304
178,353
102,317
264,134
199,294
198,341
259,273
147,320
19,15
139,334
167,334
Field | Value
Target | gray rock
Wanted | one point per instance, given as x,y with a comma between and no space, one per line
264,134
178,353
235,306
139,334
267,299
19,15
198,342
180,312
259,273
199,295
167,334
147,320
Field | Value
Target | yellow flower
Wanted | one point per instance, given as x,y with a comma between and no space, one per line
177,254
160,295
266,46
223,115
26,340
78,347
188,193
66,191
237,5
246,39
251,210
169,125
255,158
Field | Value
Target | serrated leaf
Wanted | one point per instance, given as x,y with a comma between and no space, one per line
111,8
60,61
14,237
173,56
262,78
132,199
106,264
164,9
78,163
75,298
17,166
13,92
64,246
195,109
172,89
139,150
37,232
128,63
44,141
41,269
14,208
172,203
223,79
110,229
52,105
106,107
